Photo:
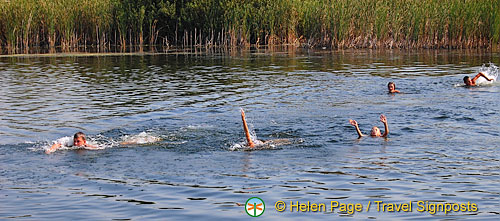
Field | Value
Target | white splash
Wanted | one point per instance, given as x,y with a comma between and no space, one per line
490,71
99,142
141,138
237,146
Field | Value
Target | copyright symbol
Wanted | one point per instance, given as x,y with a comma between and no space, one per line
280,206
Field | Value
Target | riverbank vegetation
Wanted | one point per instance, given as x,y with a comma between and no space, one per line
73,24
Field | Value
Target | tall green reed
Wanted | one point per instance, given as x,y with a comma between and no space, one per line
309,23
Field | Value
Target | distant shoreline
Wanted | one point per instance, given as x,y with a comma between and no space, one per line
283,49
69,25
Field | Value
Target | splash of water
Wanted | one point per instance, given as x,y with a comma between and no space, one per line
102,142
258,146
270,144
99,141
253,135
141,138
491,71
237,146
198,127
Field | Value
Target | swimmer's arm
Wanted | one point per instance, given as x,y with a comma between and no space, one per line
355,124
481,75
384,120
53,148
489,79
245,128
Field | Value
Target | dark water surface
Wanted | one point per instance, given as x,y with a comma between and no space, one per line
443,145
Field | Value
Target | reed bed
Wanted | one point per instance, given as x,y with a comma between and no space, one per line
75,24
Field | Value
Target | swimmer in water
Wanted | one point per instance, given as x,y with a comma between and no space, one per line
254,143
375,132
392,87
472,82
78,141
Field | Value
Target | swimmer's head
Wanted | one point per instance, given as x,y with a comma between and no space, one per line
391,86
375,132
467,81
79,139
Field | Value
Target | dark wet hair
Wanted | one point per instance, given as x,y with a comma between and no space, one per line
391,83
466,78
79,134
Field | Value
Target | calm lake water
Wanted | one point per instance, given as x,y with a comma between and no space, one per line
443,145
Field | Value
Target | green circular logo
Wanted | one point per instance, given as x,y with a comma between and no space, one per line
255,206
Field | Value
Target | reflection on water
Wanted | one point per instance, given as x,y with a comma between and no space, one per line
442,146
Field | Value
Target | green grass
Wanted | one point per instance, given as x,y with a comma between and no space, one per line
310,23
